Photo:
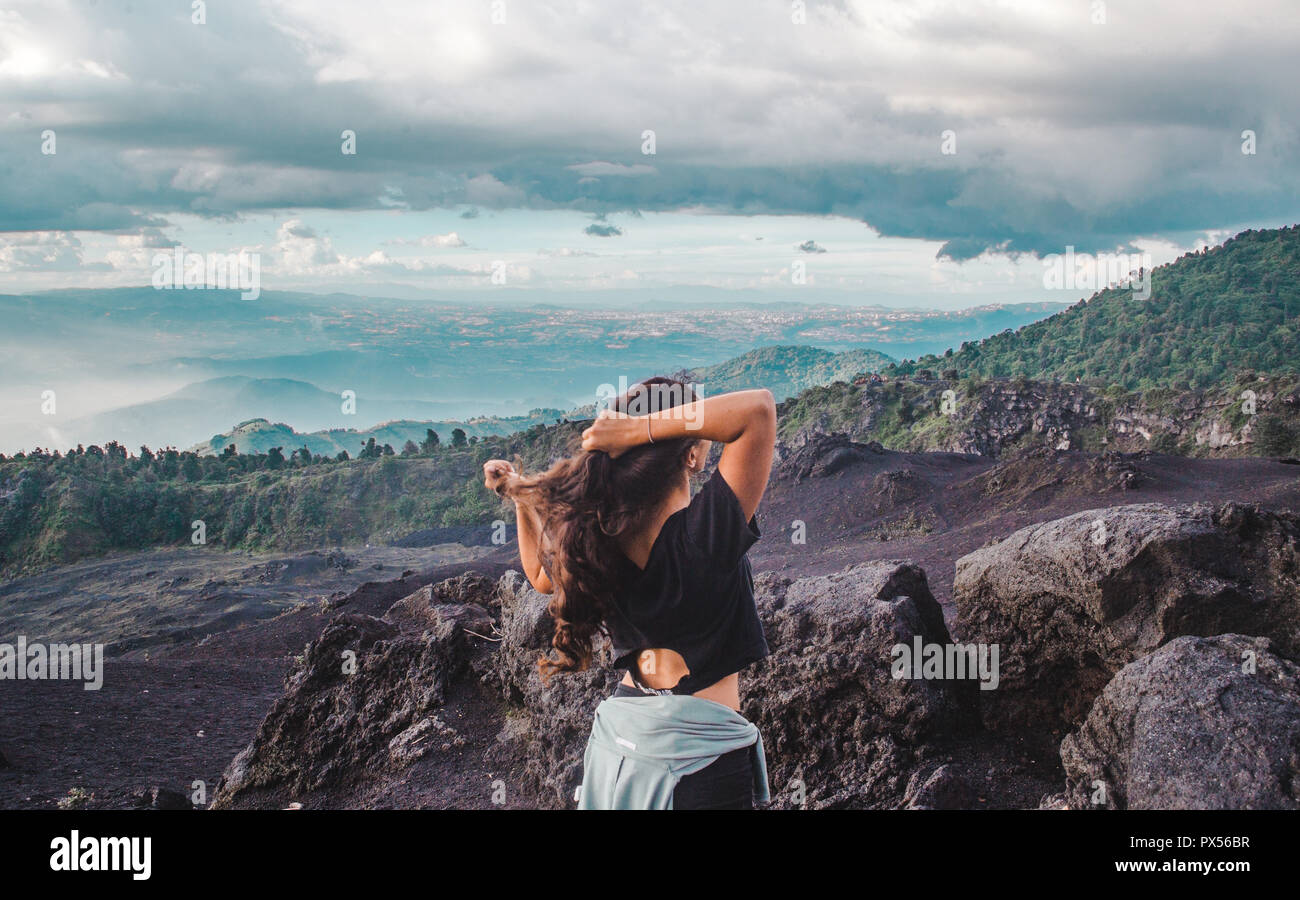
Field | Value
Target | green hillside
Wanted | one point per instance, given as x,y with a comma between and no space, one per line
787,370
259,435
1211,315
56,509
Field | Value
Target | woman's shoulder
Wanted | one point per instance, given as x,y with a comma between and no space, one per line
714,524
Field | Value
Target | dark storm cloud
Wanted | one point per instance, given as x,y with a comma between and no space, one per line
1065,132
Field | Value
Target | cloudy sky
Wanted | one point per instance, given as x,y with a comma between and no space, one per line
914,153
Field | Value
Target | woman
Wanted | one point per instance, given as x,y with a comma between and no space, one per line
614,533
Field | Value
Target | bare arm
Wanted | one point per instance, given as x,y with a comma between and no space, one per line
498,475
743,420
529,529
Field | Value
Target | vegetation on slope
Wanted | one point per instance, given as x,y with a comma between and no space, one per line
57,508
1211,315
1254,415
787,370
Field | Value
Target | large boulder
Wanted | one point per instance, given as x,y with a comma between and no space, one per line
362,700
1072,601
556,712
1201,723
838,728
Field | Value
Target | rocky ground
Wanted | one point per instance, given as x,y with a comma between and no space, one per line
138,602
190,669
445,709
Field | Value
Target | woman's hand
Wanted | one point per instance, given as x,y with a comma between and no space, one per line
615,433
497,475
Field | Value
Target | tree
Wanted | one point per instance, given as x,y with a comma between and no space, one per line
1273,436
458,438
430,442
410,448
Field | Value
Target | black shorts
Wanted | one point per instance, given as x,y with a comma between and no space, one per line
725,783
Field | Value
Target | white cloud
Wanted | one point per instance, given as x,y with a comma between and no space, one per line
299,249
450,239
600,168
566,252
48,251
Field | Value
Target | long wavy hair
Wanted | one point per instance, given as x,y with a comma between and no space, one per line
587,502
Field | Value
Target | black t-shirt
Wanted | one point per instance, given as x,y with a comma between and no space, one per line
696,593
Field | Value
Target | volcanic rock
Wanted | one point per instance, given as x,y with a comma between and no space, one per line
1201,723
826,454
1072,601
559,710
940,788
838,729
365,695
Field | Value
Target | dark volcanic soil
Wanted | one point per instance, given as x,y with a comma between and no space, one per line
952,504
153,599
173,714
199,643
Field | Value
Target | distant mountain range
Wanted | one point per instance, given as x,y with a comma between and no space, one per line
141,366
784,370
1211,316
210,407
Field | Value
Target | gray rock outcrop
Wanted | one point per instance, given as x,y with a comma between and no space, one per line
363,697
1201,723
839,729
1072,601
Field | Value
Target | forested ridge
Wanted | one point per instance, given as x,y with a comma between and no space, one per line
1211,314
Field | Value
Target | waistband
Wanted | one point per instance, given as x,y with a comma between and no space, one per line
640,690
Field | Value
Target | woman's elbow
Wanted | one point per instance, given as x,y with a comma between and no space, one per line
541,582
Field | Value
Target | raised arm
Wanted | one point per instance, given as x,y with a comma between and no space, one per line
497,476
743,420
